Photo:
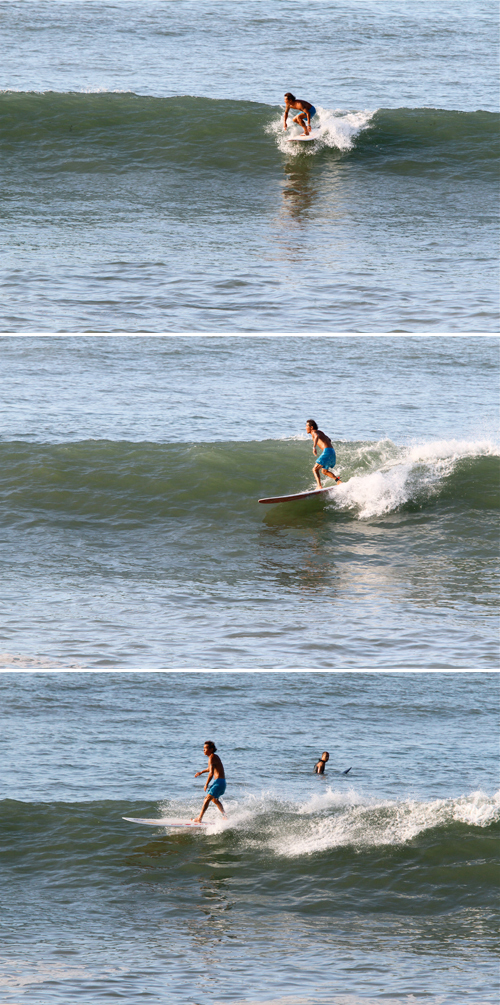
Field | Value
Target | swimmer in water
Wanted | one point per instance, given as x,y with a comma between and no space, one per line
319,767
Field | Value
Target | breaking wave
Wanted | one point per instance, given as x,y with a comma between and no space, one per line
119,131
340,851
123,483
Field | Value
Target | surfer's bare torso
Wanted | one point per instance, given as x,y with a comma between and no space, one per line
320,440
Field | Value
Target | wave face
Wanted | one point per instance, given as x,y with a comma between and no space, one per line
140,483
103,132
332,853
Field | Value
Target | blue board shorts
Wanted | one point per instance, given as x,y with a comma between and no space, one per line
327,459
217,788
312,111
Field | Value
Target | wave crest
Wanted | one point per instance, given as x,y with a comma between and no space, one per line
413,475
123,483
345,819
105,131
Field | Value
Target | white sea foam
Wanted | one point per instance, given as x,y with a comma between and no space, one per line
339,818
104,90
337,129
401,475
18,661
364,822
375,822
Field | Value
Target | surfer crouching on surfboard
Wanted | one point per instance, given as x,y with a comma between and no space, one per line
218,786
305,108
327,457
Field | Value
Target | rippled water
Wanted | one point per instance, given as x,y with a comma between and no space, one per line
379,885
148,185
132,532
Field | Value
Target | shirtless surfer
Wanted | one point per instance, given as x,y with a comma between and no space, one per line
327,457
319,767
305,109
218,786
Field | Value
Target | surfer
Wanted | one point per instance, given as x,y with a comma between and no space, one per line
305,109
218,786
319,767
327,457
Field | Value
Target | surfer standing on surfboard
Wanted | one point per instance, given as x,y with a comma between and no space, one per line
305,108
218,786
327,458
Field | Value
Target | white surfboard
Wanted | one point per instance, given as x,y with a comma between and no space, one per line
313,135
164,822
298,495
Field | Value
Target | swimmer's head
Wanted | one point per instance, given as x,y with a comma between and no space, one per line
311,423
325,756
209,747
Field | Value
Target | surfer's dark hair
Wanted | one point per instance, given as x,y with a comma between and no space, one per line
290,96
211,744
311,422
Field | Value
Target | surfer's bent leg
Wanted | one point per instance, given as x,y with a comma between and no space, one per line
301,121
217,788
325,462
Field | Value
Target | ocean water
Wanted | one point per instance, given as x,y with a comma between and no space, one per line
148,186
379,886
132,536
